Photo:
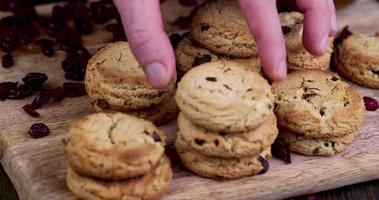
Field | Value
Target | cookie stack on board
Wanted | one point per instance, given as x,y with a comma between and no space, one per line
115,82
220,32
226,124
318,113
116,156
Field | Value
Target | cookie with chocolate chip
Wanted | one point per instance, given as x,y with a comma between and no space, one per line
223,96
357,58
315,146
228,145
318,104
190,54
223,168
113,146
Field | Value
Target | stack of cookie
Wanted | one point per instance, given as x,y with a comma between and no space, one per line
357,58
319,114
226,124
116,156
220,32
115,82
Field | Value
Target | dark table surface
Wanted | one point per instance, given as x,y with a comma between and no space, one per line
362,191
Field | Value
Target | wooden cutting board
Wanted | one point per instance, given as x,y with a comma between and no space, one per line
37,167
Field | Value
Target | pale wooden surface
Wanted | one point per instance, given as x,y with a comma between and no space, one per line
37,167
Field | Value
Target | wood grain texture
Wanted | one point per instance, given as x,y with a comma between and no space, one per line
37,167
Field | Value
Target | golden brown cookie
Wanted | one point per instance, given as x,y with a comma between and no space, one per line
224,97
315,146
225,168
114,77
357,58
151,185
318,104
113,146
190,54
246,143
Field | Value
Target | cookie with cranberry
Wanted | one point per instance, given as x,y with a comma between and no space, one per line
223,96
113,146
357,58
318,104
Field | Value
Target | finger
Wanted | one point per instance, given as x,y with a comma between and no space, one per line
333,18
316,25
263,21
147,40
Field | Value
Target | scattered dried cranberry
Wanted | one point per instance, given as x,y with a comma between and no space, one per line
41,99
281,152
119,34
111,27
99,12
57,94
371,104
48,51
75,75
188,2
83,25
38,130
265,164
4,92
30,110
7,60
175,40
9,85
345,33
74,89
183,22
21,92
198,60
35,79
59,13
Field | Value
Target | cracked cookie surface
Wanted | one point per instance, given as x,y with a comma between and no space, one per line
113,146
190,54
146,187
315,146
158,114
298,58
357,58
114,76
317,104
223,96
246,143
216,167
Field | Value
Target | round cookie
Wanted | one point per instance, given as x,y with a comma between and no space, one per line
221,27
158,114
298,58
318,104
114,76
215,167
190,54
247,143
113,146
315,146
357,58
152,185
225,97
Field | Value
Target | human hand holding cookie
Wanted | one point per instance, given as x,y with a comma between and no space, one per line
150,45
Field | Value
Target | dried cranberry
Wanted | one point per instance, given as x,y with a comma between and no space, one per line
7,46
59,12
7,60
74,89
57,94
281,152
175,39
21,92
371,104
41,99
83,25
183,22
119,34
45,42
35,79
112,27
4,92
30,110
265,164
38,130
286,30
99,12
75,75
345,33
188,2
9,85
78,8
198,60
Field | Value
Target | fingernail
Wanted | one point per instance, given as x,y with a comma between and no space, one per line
324,44
333,24
282,70
157,75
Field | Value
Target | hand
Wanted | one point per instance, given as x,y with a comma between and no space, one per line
151,47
